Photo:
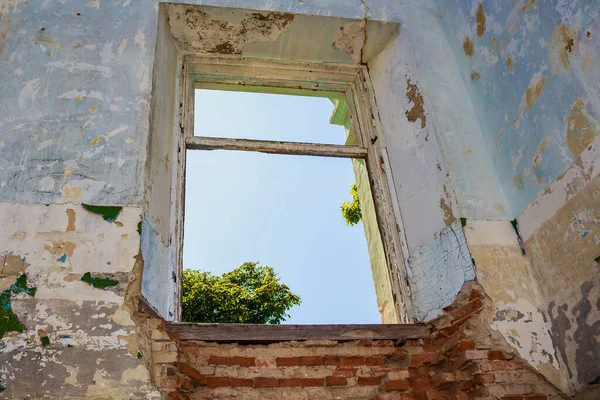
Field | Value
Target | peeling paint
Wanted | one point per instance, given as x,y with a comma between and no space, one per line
468,46
528,5
438,271
100,283
531,96
509,63
480,18
350,39
108,213
206,34
5,25
561,48
581,128
418,107
9,322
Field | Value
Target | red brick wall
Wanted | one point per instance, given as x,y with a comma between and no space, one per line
453,363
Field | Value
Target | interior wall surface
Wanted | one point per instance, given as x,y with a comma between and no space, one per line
75,83
532,73
82,189
530,69
78,82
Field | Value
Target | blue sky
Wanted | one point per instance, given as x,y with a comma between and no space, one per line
280,210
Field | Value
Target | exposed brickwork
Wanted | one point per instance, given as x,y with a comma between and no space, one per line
453,363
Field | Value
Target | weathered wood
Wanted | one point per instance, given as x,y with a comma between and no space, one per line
250,333
274,147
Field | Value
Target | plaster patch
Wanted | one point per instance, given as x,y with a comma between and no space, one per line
581,128
75,67
122,47
480,18
417,111
78,95
509,63
468,46
204,34
46,184
561,190
29,91
525,328
437,272
158,286
81,189
531,96
6,6
350,38
562,48
5,25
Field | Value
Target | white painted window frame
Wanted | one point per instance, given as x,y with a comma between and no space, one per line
351,81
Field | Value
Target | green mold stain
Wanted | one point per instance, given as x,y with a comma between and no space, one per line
2,387
9,322
109,213
597,259
45,340
463,221
139,228
100,283
139,354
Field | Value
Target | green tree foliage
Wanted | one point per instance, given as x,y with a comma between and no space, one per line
249,294
351,210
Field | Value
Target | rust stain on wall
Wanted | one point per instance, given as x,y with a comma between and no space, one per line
468,46
509,63
446,207
580,128
588,63
5,25
203,33
475,76
518,181
46,41
534,91
418,110
528,6
480,18
531,95
494,43
71,220
537,158
561,48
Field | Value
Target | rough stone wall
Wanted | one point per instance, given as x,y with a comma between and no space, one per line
460,360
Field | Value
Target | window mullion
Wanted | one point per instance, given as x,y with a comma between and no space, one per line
275,147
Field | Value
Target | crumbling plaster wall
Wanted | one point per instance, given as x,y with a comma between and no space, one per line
75,93
529,69
78,132
532,73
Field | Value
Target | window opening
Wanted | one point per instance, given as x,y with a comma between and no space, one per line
358,143
281,211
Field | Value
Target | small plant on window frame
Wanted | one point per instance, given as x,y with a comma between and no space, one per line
351,210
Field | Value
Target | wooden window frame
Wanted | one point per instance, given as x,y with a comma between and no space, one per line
349,81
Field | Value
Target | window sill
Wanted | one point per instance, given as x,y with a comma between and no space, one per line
251,333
